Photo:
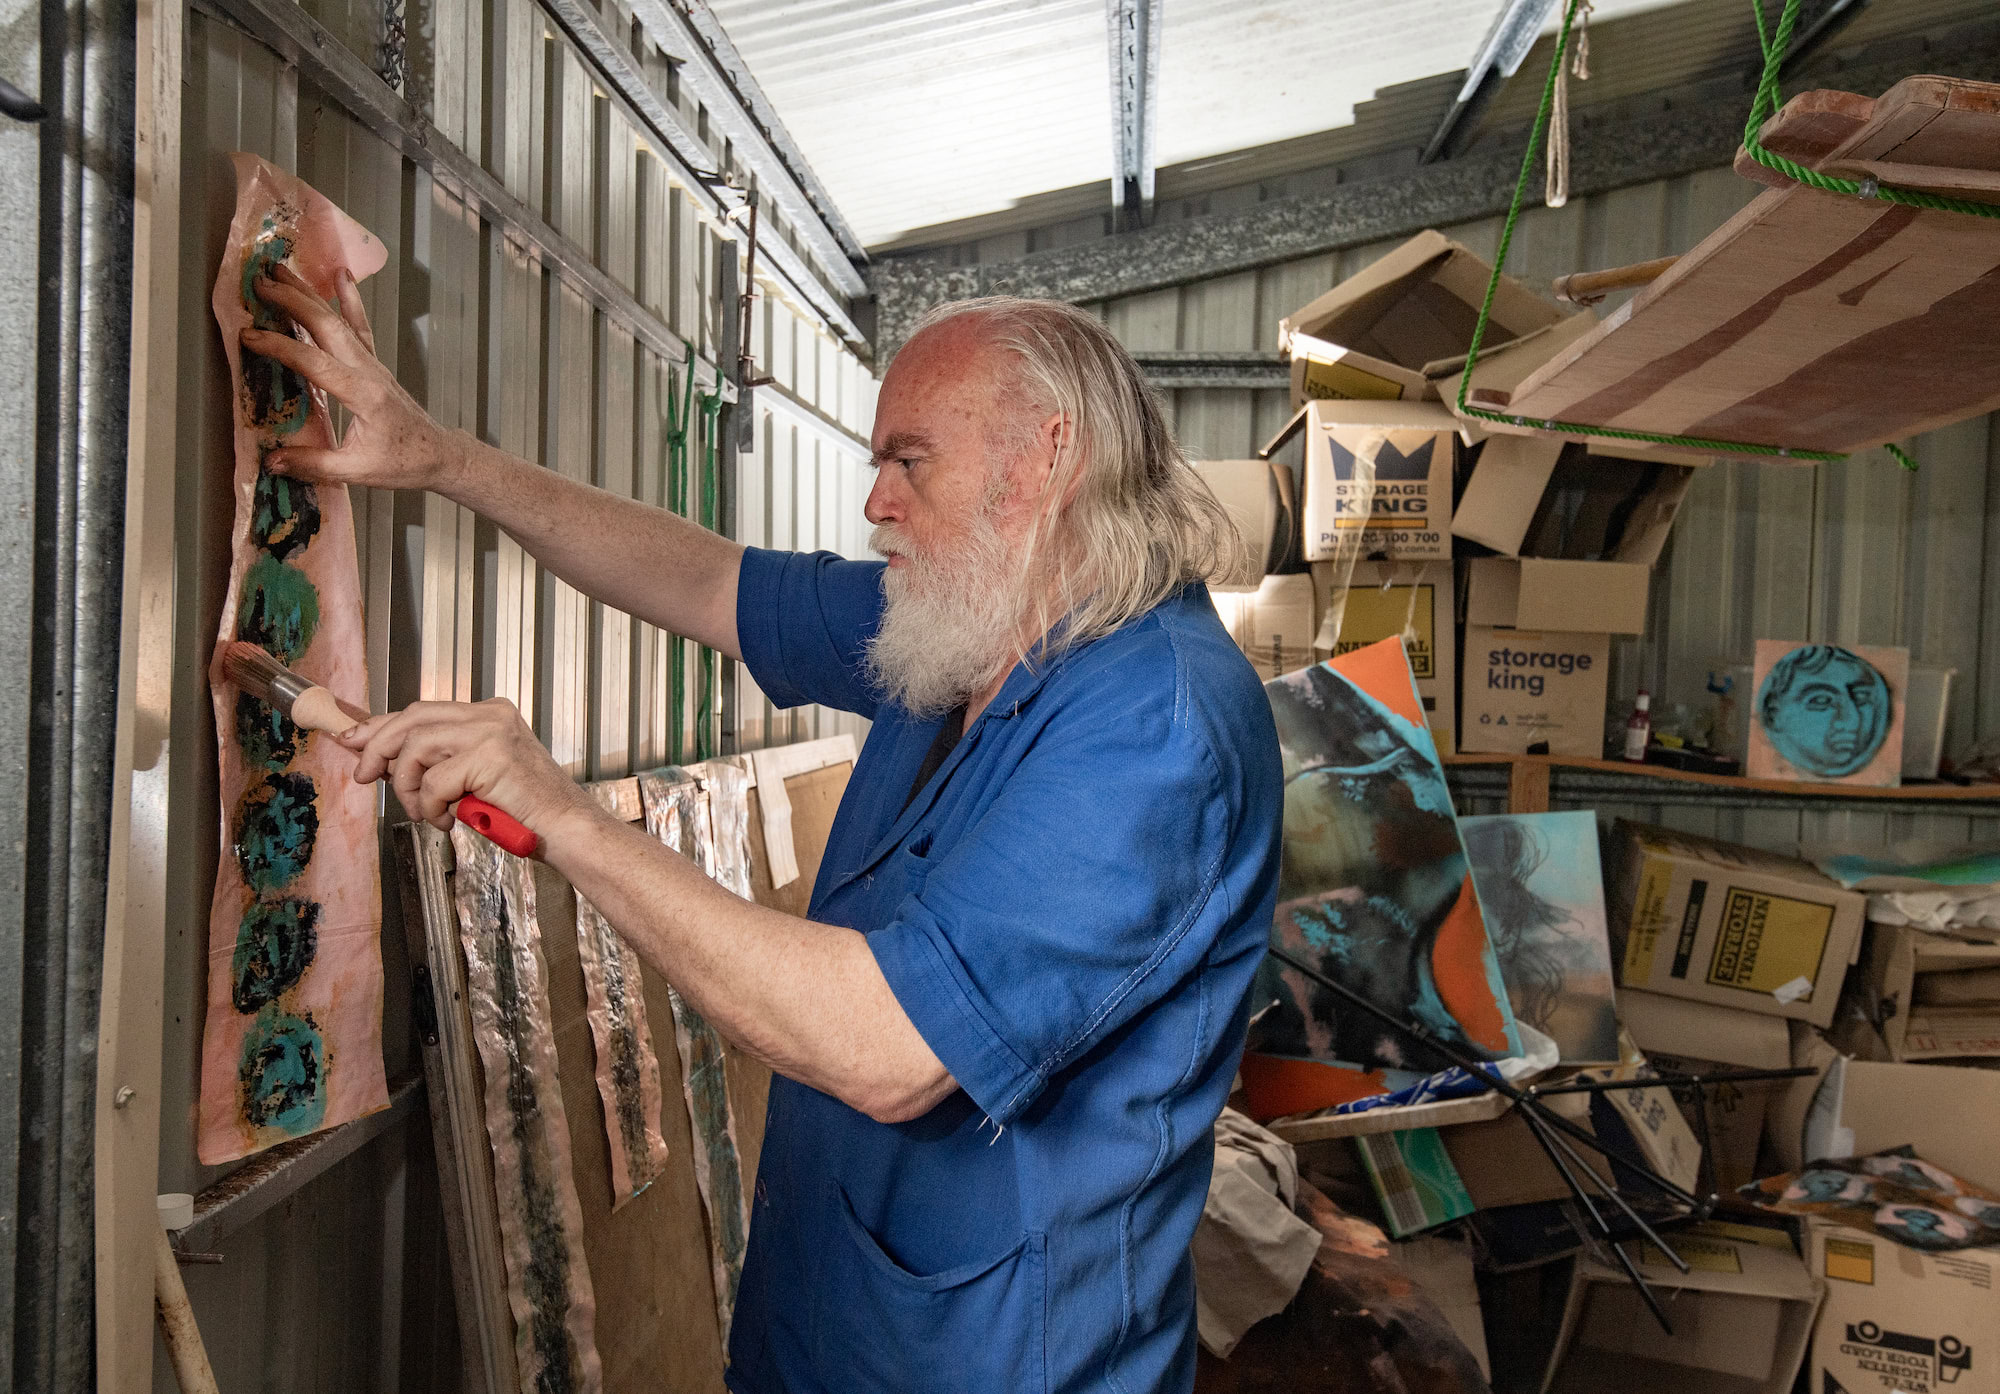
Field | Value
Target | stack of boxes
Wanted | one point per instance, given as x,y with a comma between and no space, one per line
1507,559
1555,541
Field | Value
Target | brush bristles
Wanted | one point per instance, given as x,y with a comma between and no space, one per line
257,673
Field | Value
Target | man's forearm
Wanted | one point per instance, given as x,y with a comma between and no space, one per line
643,560
805,998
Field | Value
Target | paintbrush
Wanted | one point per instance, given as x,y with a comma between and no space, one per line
315,708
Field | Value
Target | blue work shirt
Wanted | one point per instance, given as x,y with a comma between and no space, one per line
1070,911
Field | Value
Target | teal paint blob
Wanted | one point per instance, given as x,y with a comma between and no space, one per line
267,737
275,945
279,400
276,826
284,514
278,610
283,1072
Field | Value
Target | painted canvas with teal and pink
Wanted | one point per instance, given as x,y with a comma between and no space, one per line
1541,893
292,1041
1375,892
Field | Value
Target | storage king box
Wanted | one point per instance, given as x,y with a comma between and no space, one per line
1901,1321
1378,479
1533,692
1384,599
1375,334
1707,920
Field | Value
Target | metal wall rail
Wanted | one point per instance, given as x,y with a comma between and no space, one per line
301,40
1590,787
74,573
647,112
740,110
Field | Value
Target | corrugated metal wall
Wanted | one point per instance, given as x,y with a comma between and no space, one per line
1858,552
345,1287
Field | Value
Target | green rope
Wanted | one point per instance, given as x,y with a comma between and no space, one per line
1764,105
680,407
709,510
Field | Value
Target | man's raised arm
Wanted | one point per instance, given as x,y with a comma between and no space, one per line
643,560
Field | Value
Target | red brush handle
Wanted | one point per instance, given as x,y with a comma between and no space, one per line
500,829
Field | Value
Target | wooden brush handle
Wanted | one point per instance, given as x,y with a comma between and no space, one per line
317,709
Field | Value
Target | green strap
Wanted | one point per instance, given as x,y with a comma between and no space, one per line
1762,107
678,412
709,510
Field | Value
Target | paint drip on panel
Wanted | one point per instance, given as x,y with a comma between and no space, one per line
628,1070
684,815
292,1040
541,1220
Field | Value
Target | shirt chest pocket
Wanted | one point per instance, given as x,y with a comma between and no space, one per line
977,1327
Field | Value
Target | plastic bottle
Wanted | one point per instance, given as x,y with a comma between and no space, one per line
1639,728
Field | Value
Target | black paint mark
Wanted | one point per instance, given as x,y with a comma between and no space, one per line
284,514
546,1281
276,826
275,945
278,396
283,1072
268,738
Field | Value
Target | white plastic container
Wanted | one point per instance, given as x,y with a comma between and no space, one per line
1924,707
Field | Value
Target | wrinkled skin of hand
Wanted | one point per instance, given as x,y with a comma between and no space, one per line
390,441
435,753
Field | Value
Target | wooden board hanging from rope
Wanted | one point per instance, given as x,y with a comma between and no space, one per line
1816,320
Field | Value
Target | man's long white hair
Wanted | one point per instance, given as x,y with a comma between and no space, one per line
1141,523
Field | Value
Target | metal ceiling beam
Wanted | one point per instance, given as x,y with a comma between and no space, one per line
738,109
1500,54
1819,28
1134,27
1699,130
644,108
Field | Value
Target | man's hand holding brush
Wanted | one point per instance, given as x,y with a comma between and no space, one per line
434,754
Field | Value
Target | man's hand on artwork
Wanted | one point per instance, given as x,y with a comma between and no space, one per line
390,441
435,753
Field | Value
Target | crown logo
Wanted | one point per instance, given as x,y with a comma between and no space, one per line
1390,463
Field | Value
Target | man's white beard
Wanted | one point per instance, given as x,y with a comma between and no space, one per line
950,619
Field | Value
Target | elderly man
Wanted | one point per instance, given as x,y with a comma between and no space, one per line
1003,1035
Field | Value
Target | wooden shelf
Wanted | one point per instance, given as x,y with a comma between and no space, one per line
1529,772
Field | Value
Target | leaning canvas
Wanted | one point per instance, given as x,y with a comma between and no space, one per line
1828,713
1375,889
1541,893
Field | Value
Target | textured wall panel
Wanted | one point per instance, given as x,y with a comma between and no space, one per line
346,1286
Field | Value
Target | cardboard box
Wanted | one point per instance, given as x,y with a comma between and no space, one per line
1273,624
1742,1318
1378,479
1574,597
1735,1115
1932,998
1946,1112
1899,1319
1541,497
1529,691
1707,920
1676,1026
1689,1037
1257,495
1374,334
1384,599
